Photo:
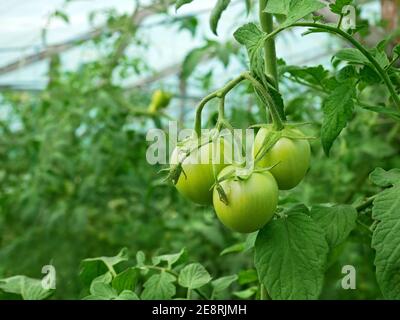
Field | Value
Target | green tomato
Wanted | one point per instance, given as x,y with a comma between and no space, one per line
251,202
197,178
290,158
159,100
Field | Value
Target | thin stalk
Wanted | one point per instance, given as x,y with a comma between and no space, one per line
356,44
221,93
267,26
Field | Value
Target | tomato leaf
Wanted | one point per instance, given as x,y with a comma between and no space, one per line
290,256
103,290
127,295
192,59
312,75
92,267
338,109
294,10
252,38
27,288
159,287
126,280
351,55
385,241
216,13
180,3
222,284
237,247
338,5
247,293
337,222
384,178
171,259
194,276
247,276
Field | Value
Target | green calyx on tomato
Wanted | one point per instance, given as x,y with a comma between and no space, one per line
159,100
251,199
286,151
200,165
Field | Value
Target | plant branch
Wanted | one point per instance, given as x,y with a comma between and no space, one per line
221,93
355,43
267,26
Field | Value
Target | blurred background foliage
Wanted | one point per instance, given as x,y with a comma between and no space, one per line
74,181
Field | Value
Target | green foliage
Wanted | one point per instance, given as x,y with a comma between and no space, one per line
216,13
385,235
336,221
75,183
27,288
293,10
287,271
338,110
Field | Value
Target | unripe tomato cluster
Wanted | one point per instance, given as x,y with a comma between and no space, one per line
243,202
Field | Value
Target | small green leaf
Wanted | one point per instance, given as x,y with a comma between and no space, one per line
194,276
337,222
338,110
192,59
394,114
159,286
248,6
216,13
171,259
312,75
280,7
140,259
126,280
27,288
180,3
92,267
384,178
235,248
351,55
247,276
104,290
62,15
338,5
250,241
127,295
223,283
294,10
247,293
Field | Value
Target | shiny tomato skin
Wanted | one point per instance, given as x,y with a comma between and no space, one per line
251,202
196,181
291,158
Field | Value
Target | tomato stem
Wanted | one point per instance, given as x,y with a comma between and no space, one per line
267,26
221,93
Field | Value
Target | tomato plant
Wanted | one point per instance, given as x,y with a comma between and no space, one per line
309,209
